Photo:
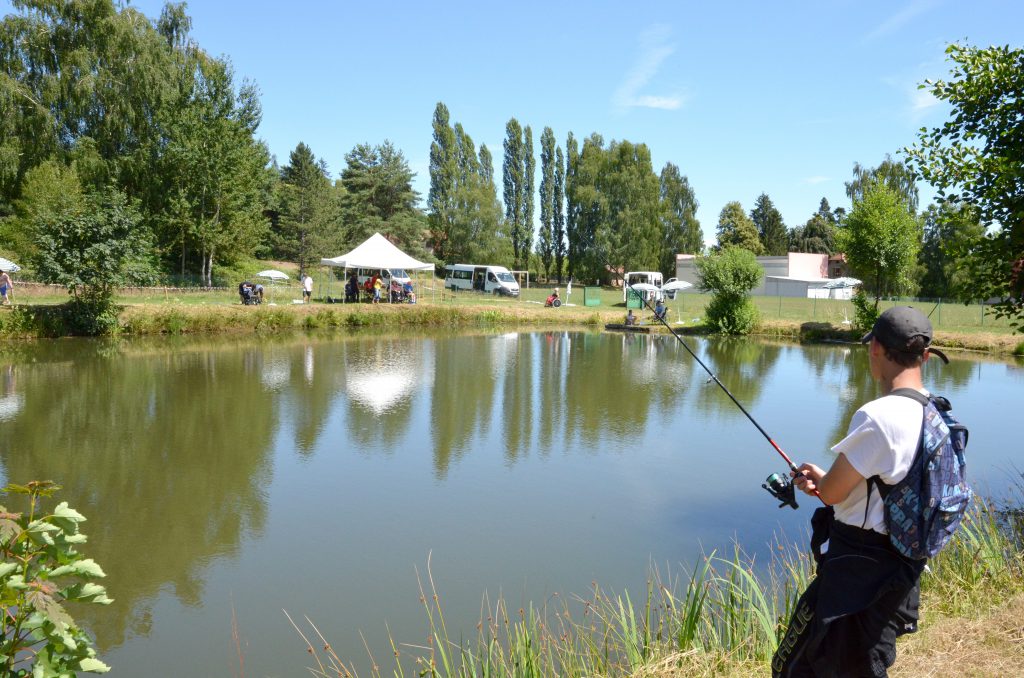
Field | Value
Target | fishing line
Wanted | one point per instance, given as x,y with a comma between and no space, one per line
780,488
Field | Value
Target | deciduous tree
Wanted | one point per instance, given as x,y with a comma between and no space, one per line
977,157
736,229
681,232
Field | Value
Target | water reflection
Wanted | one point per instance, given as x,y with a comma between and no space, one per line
174,451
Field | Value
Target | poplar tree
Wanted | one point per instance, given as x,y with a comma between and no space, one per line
443,172
572,206
529,167
518,212
545,235
558,216
770,229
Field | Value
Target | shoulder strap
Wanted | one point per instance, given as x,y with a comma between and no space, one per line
883,489
913,394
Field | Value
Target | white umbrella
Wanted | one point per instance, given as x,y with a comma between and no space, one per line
676,285
841,282
272,274
643,287
9,266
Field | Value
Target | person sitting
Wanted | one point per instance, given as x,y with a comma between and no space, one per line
660,310
630,318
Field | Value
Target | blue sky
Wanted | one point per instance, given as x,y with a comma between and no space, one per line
745,97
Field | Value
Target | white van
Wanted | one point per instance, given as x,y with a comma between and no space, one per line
482,278
646,280
397,275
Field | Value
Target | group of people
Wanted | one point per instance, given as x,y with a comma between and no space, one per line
660,313
374,289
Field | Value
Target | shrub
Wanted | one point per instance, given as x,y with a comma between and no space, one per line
865,311
40,571
730,274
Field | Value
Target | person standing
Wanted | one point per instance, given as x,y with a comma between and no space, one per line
865,593
307,288
6,287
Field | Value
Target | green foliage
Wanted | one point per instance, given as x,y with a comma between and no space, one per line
379,198
681,232
898,177
307,226
573,244
881,240
464,215
730,275
40,572
865,311
952,234
977,157
546,232
89,252
517,175
818,234
732,315
771,231
558,214
736,229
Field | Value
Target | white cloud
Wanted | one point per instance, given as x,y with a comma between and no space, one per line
654,49
901,18
921,101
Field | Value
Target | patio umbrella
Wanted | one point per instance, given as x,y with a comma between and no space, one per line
676,286
272,274
841,282
9,266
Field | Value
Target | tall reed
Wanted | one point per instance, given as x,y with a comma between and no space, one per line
723,618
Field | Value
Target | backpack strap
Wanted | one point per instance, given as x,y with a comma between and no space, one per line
883,489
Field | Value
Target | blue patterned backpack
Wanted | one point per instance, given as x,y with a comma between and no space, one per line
923,510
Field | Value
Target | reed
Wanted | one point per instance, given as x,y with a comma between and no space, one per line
723,618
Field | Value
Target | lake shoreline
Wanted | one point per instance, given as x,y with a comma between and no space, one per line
36,321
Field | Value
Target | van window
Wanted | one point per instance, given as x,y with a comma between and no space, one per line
505,276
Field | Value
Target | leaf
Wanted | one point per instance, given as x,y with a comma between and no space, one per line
92,665
89,592
7,568
81,568
67,518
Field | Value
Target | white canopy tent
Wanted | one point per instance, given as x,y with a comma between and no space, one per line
377,252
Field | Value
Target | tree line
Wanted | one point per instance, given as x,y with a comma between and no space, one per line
122,140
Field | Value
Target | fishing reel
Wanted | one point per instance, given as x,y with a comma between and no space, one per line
782,489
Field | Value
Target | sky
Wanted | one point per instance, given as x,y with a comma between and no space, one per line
745,98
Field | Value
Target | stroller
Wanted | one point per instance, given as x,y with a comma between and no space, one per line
250,294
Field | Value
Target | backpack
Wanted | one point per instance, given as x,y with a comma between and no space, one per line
923,510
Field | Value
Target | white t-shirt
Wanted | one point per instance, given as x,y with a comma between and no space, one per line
882,440
307,284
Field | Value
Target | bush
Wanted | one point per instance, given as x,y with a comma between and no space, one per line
865,311
730,274
732,315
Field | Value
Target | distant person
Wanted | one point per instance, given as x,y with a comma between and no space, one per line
6,287
377,287
630,318
307,288
258,291
660,310
568,290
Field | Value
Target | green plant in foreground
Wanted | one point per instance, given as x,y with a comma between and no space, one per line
41,569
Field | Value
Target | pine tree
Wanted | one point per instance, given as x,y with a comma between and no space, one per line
770,229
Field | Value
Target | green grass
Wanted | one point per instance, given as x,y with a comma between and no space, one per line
721,619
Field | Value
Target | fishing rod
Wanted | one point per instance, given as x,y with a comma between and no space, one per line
777,485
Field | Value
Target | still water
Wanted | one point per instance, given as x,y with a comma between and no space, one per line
226,479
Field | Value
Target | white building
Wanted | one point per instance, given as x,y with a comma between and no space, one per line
796,274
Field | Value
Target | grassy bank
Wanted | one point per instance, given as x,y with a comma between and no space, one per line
41,313
720,620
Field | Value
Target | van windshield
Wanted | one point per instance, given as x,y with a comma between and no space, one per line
399,273
505,276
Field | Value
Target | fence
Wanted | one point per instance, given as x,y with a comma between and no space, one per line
944,313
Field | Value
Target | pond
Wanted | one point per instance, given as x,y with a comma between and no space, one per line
232,479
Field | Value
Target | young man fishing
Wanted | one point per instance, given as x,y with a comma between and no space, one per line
865,593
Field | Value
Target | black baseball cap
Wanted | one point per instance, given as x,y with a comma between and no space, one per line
896,327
